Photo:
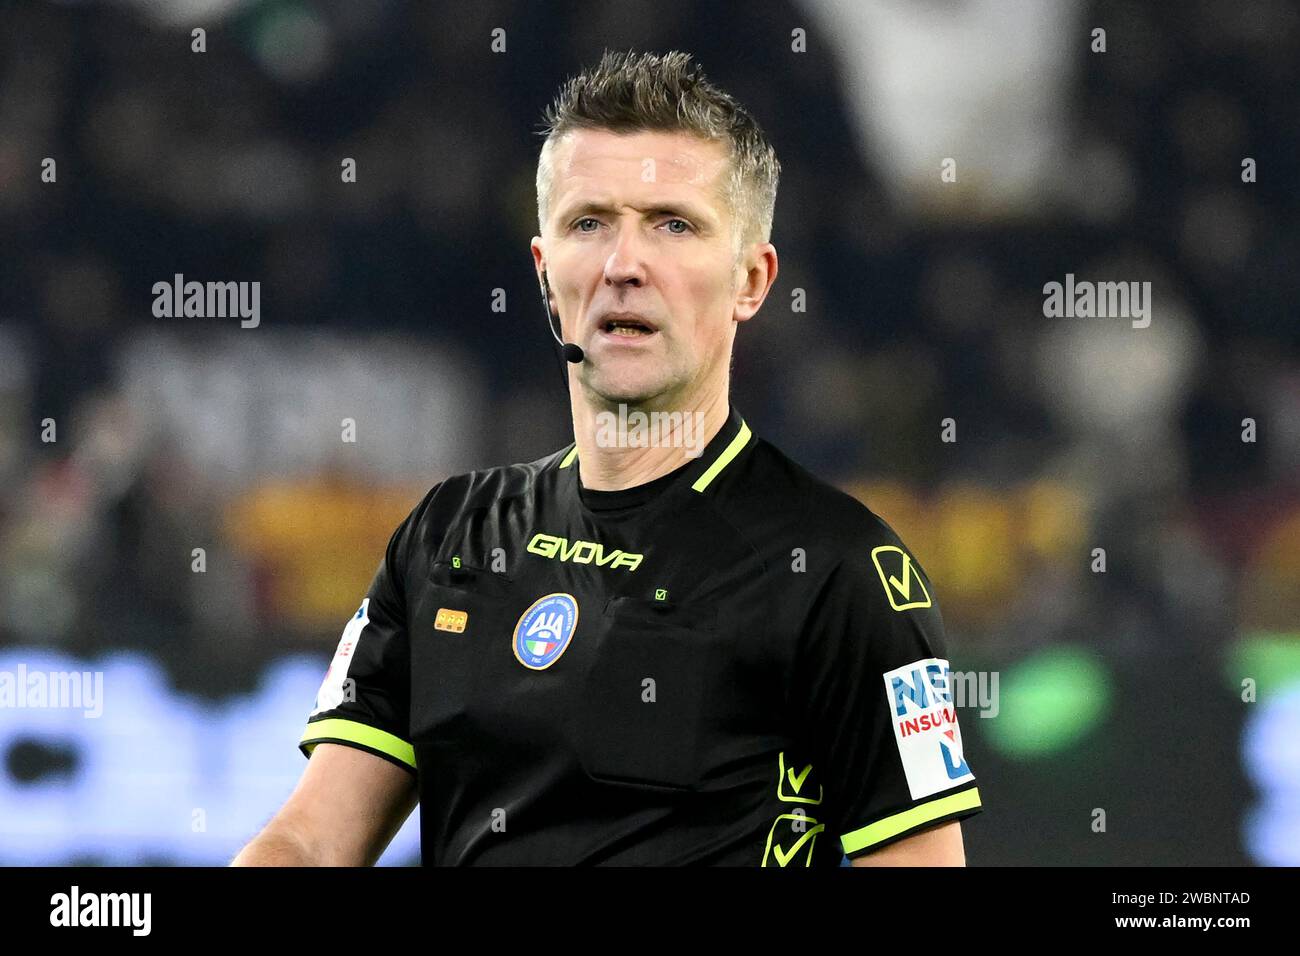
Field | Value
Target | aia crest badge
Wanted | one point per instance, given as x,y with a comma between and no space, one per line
545,630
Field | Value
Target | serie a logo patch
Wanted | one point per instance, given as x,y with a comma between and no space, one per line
544,630
925,726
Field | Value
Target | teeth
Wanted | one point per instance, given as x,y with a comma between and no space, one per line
627,330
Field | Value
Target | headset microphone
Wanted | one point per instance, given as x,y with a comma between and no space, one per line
572,353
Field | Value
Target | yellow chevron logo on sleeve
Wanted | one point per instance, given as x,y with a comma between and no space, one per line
903,586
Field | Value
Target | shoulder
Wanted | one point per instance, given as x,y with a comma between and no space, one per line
861,578
853,561
457,496
774,493
482,487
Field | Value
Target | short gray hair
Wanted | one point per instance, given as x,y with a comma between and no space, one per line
649,92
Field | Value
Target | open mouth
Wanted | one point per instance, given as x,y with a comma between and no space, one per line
627,327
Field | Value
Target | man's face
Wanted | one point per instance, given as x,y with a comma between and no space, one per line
639,256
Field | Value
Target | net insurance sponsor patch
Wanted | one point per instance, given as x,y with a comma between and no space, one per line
925,726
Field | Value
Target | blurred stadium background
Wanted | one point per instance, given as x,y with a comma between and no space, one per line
1119,690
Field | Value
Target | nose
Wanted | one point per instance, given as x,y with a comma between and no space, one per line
626,264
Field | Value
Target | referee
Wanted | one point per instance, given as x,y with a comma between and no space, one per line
666,643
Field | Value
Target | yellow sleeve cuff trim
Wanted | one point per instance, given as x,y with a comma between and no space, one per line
338,730
892,826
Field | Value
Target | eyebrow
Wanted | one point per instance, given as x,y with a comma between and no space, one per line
685,210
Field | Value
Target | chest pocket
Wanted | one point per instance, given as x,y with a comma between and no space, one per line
645,708
463,617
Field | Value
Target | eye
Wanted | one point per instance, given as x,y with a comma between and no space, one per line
680,232
586,219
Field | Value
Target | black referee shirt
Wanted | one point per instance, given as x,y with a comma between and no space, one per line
734,664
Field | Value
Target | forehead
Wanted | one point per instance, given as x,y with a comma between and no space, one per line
599,161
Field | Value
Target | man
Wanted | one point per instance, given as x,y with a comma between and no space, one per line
665,643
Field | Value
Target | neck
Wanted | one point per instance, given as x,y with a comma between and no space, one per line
617,449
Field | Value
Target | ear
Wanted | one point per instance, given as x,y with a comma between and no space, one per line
538,248
760,267
539,265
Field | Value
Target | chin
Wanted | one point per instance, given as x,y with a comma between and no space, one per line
627,391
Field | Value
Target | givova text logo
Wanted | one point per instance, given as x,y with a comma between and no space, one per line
582,552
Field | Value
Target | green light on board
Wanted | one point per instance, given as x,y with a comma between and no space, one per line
1049,702
1271,660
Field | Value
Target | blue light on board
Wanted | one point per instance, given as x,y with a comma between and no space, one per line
157,776
1271,756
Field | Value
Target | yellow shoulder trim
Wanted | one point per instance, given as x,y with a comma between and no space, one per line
723,460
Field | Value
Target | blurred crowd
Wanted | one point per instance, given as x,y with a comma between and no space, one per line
903,300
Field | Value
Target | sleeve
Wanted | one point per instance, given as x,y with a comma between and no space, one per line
364,701
874,703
